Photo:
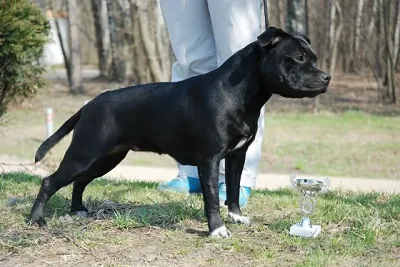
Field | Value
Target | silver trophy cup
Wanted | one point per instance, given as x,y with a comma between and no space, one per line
309,188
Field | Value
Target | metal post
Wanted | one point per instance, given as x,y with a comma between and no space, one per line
49,121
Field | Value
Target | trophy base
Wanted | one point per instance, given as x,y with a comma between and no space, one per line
298,230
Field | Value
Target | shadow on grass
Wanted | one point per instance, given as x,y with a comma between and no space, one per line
161,212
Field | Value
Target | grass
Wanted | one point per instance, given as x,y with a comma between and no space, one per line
352,143
131,223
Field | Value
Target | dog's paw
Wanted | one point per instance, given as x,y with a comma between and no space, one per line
236,218
221,232
37,221
76,209
82,214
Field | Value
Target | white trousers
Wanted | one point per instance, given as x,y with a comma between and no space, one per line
203,34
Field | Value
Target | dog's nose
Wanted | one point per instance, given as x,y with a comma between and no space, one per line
326,77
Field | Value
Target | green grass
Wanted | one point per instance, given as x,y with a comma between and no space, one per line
350,144
342,144
133,219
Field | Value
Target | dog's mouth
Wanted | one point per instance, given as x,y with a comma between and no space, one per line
304,93
316,89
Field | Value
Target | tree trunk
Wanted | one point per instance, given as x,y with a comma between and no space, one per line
378,53
62,44
75,85
335,38
150,47
306,19
357,34
389,31
295,16
366,37
100,18
281,14
118,65
396,35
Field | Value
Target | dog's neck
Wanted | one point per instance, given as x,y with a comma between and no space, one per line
243,73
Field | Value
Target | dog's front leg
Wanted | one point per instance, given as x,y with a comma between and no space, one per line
234,163
209,182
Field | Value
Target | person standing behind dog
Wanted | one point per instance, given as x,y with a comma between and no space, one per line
203,34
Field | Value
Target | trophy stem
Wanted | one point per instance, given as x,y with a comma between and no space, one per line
305,222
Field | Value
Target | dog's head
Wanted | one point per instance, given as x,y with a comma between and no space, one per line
288,65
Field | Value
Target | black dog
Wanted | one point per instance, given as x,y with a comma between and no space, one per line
198,121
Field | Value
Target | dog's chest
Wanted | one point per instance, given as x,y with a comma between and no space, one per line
245,133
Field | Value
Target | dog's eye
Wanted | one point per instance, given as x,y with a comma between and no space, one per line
300,58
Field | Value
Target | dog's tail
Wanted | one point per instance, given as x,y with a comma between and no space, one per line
65,129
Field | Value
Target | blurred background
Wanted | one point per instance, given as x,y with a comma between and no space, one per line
90,46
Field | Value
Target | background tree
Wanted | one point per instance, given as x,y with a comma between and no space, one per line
128,40
100,21
23,34
296,16
71,48
75,78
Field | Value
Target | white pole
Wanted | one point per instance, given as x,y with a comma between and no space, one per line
49,121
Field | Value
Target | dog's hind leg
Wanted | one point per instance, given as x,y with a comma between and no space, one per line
79,157
66,173
99,168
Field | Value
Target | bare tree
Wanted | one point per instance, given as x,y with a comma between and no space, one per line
150,48
100,19
390,30
62,43
295,19
357,34
396,35
335,32
118,70
75,81
280,13
306,18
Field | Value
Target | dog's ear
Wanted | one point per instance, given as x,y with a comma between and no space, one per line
302,36
271,36
307,39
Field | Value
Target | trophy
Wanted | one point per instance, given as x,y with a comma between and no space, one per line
309,188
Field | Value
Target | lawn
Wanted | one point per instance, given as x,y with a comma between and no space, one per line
132,224
352,144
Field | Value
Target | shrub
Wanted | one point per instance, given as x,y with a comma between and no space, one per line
24,32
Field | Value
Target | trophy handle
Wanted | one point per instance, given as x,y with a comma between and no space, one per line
293,180
326,185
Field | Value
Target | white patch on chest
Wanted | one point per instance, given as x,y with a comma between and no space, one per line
242,142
